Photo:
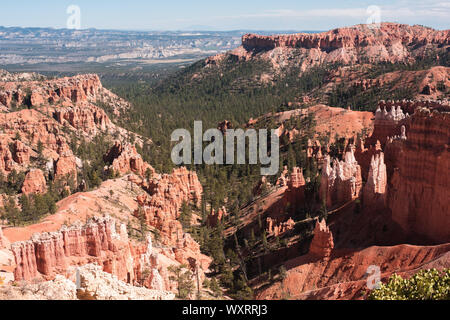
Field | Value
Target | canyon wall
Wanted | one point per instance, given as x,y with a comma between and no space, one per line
102,241
389,34
47,254
161,208
35,93
418,189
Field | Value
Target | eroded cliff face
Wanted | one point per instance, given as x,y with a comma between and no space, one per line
42,119
390,189
161,208
35,93
47,254
34,182
344,274
418,189
102,241
391,42
57,111
105,240
387,36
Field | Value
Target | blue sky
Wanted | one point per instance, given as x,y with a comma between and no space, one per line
221,15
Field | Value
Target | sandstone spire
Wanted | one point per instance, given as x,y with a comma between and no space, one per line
341,182
322,243
375,188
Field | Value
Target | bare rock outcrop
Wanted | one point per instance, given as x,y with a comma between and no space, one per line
322,243
105,286
296,179
388,121
87,118
161,209
60,288
35,93
276,229
66,167
356,36
21,153
6,158
344,274
390,42
88,282
125,159
34,182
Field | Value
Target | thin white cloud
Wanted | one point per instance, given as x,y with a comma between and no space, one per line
428,12
403,9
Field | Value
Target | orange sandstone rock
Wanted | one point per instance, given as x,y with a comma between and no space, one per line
125,159
322,243
374,193
418,190
342,182
34,182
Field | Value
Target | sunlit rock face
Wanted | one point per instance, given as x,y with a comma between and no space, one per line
342,181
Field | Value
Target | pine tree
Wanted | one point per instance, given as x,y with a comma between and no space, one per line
185,284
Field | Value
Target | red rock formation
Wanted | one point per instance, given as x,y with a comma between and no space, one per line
161,209
88,118
66,167
3,241
344,274
365,155
314,150
74,90
296,179
167,194
21,153
34,182
322,243
342,182
418,189
6,158
214,218
388,121
389,34
274,229
125,159
101,241
366,84
374,193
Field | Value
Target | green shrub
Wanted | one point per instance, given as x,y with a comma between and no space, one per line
425,285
